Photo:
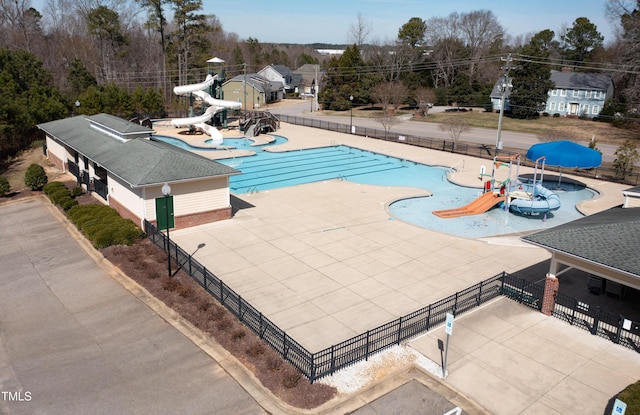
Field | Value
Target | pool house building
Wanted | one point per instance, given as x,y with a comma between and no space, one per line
125,168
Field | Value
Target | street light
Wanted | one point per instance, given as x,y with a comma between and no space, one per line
351,115
166,191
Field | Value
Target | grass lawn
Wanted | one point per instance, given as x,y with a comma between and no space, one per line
546,128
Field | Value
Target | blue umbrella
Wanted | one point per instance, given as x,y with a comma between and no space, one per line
565,153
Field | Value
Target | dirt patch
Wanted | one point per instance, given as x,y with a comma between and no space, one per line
147,265
13,170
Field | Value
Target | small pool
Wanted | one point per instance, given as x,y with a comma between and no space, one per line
497,221
242,143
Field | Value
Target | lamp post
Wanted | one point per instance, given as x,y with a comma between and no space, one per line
166,191
351,115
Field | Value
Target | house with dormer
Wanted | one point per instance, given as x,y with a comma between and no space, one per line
282,74
125,167
577,94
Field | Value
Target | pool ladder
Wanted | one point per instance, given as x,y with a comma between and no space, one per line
341,178
253,190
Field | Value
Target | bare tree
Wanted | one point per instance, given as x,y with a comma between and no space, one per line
390,94
360,31
455,126
387,120
425,97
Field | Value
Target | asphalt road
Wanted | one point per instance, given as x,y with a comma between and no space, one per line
484,136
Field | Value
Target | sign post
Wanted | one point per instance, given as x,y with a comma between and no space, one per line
448,328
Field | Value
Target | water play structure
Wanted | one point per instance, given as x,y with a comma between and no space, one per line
210,93
512,195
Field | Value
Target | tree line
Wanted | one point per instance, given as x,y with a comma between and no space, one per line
125,57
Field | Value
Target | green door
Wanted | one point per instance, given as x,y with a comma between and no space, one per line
164,205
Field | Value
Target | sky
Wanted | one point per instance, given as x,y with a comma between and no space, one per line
329,21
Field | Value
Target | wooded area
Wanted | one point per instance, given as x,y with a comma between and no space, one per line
124,58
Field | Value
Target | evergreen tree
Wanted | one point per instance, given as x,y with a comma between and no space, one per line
531,80
27,98
581,40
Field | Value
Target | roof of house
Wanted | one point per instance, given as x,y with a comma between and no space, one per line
138,161
608,238
567,80
581,80
258,82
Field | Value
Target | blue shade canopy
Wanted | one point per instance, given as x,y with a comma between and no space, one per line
565,153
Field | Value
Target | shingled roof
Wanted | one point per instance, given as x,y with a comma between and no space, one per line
608,238
139,161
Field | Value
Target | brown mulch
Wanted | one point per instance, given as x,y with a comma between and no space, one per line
147,265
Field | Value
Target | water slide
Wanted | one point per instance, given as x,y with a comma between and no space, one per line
483,203
215,106
543,201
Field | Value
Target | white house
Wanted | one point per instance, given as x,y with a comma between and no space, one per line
121,163
577,94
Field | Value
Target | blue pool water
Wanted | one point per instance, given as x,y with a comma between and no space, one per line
270,170
236,143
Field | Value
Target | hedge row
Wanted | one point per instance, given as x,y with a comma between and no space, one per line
60,195
103,226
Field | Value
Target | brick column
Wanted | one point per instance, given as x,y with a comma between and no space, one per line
550,292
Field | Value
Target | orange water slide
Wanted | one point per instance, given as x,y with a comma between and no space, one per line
483,203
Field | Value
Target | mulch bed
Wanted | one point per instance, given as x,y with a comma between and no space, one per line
147,265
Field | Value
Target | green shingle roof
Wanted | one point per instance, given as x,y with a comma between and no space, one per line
138,161
609,238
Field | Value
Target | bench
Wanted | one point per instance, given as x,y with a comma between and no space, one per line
513,292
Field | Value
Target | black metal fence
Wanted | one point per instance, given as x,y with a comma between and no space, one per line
459,147
599,322
325,362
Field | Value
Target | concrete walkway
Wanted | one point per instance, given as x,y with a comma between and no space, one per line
514,360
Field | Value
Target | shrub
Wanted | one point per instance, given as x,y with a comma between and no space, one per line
68,204
171,284
52,187
35,177
223,324
56,195
256,349
5,187
238,334
556,115
274,362
291,377
185,291
77,191
105,224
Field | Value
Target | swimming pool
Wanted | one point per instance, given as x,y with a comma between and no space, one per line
241,143
271,170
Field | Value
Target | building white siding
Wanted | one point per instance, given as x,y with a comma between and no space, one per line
192,197
126,196
57,149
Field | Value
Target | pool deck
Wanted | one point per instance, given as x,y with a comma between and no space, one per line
325,261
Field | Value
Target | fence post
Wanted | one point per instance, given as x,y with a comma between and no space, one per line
332,366
399,329
479,297
619,332
455,304
261,334
366,348
312,369
596,321
285,350
221,292
204,278
240,308
428,325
